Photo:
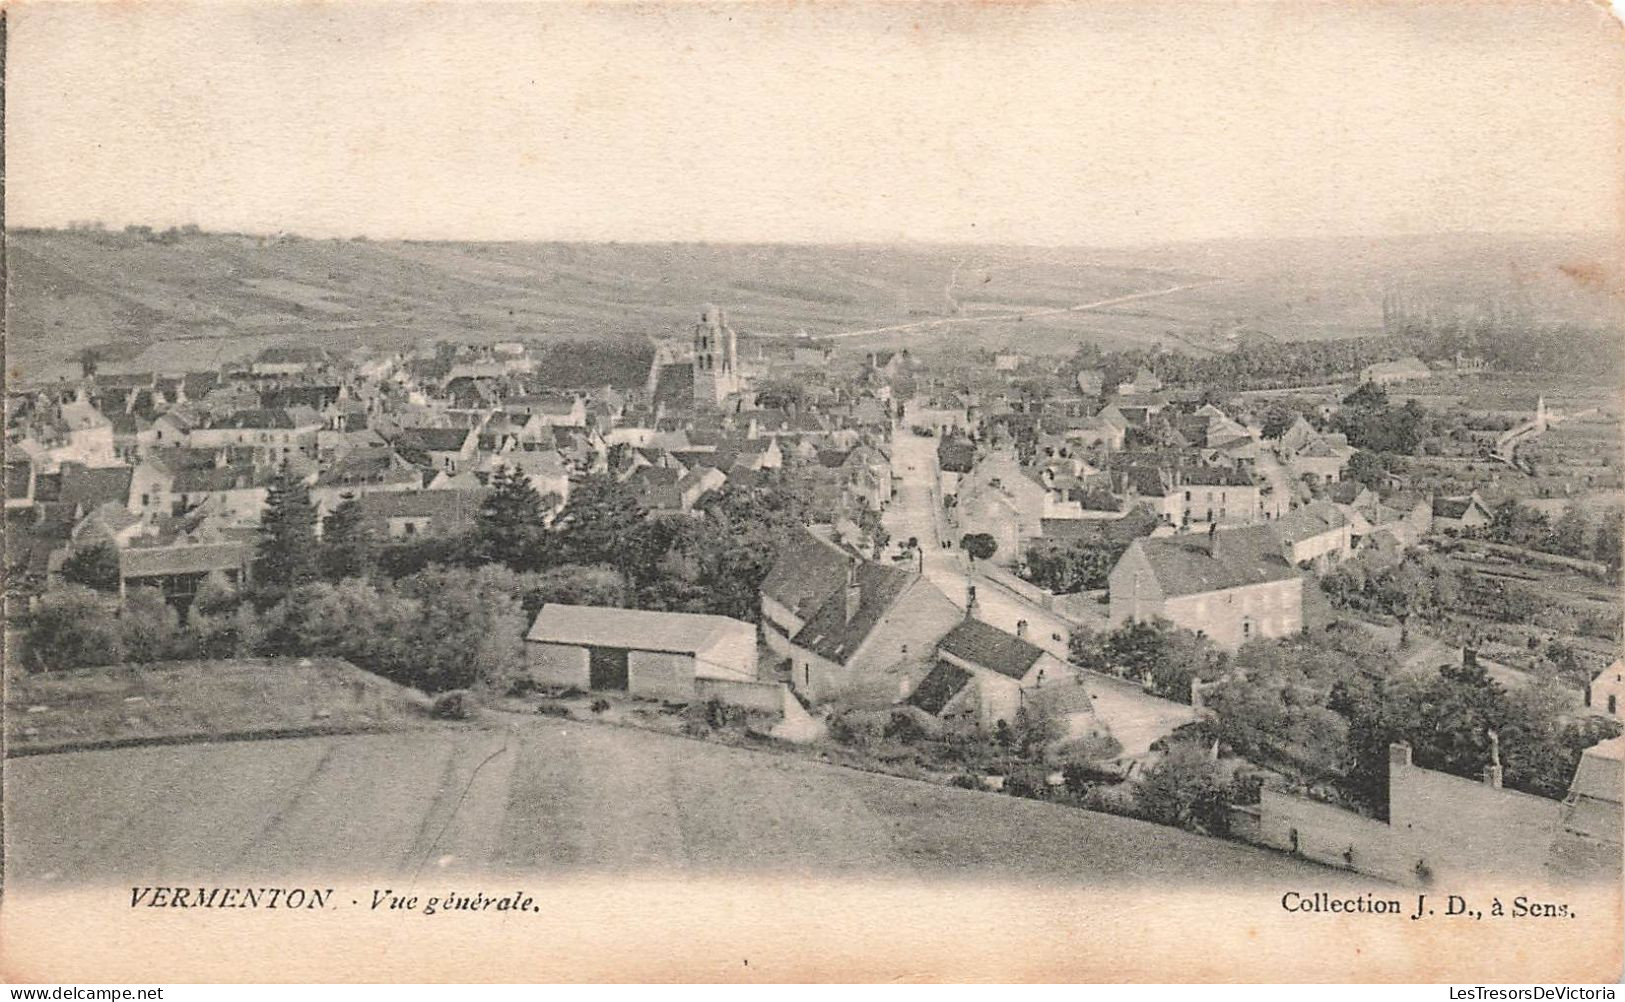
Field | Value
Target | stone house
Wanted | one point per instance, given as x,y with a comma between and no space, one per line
984,675
1231,585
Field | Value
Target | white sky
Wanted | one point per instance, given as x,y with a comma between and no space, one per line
1023,123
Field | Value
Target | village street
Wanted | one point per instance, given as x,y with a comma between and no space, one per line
917,511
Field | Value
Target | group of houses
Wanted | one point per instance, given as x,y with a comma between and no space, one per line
175,470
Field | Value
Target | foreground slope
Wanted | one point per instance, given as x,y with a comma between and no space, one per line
551,796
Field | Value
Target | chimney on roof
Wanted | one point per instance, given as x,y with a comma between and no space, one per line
971,608
1021,629
854,591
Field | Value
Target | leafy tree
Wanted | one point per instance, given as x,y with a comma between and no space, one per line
1035,729
72,627
222,625
1273,705
572,584
1073,566
1516,524
399,558
94,567
1367,396
1185,789
1276,421
781,394
1568,535
1087,649
1368,468
285,558
979,545
1606,548
470,630
150,629
371,626
348,548
603,523
509,529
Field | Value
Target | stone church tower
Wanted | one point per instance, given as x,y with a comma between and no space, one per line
716,359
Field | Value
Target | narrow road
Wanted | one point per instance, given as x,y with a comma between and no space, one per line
920,325
916,511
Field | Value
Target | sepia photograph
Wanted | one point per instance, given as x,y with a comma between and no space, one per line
762,491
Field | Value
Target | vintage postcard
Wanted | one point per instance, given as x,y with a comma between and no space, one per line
768,491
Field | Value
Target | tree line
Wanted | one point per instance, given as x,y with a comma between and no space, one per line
435,613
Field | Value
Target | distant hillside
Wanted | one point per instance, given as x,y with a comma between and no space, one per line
188,300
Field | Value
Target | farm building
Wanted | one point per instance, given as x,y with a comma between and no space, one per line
178,571
660,655
1460,514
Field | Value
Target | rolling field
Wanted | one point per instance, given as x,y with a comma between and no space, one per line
206,298
544,796
202,299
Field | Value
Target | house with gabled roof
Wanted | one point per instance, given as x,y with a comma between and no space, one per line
983,675
1319,534
808,570
448,449
408,515
1324,458
1230,585
1458,515
1001,498
881,617
363,471
280,432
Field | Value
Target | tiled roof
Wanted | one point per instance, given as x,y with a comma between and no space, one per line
436,439
939,687
634,629
95,486
184,559
834,635
452,509
19,478
368,466
989,647
1452,507
202,480
1309,521
1229,558
274,417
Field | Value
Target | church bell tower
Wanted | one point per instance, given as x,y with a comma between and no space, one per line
716,359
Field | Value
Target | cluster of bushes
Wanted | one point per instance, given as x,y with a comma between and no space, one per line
1065,568
1164,657
437,630
1323,710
